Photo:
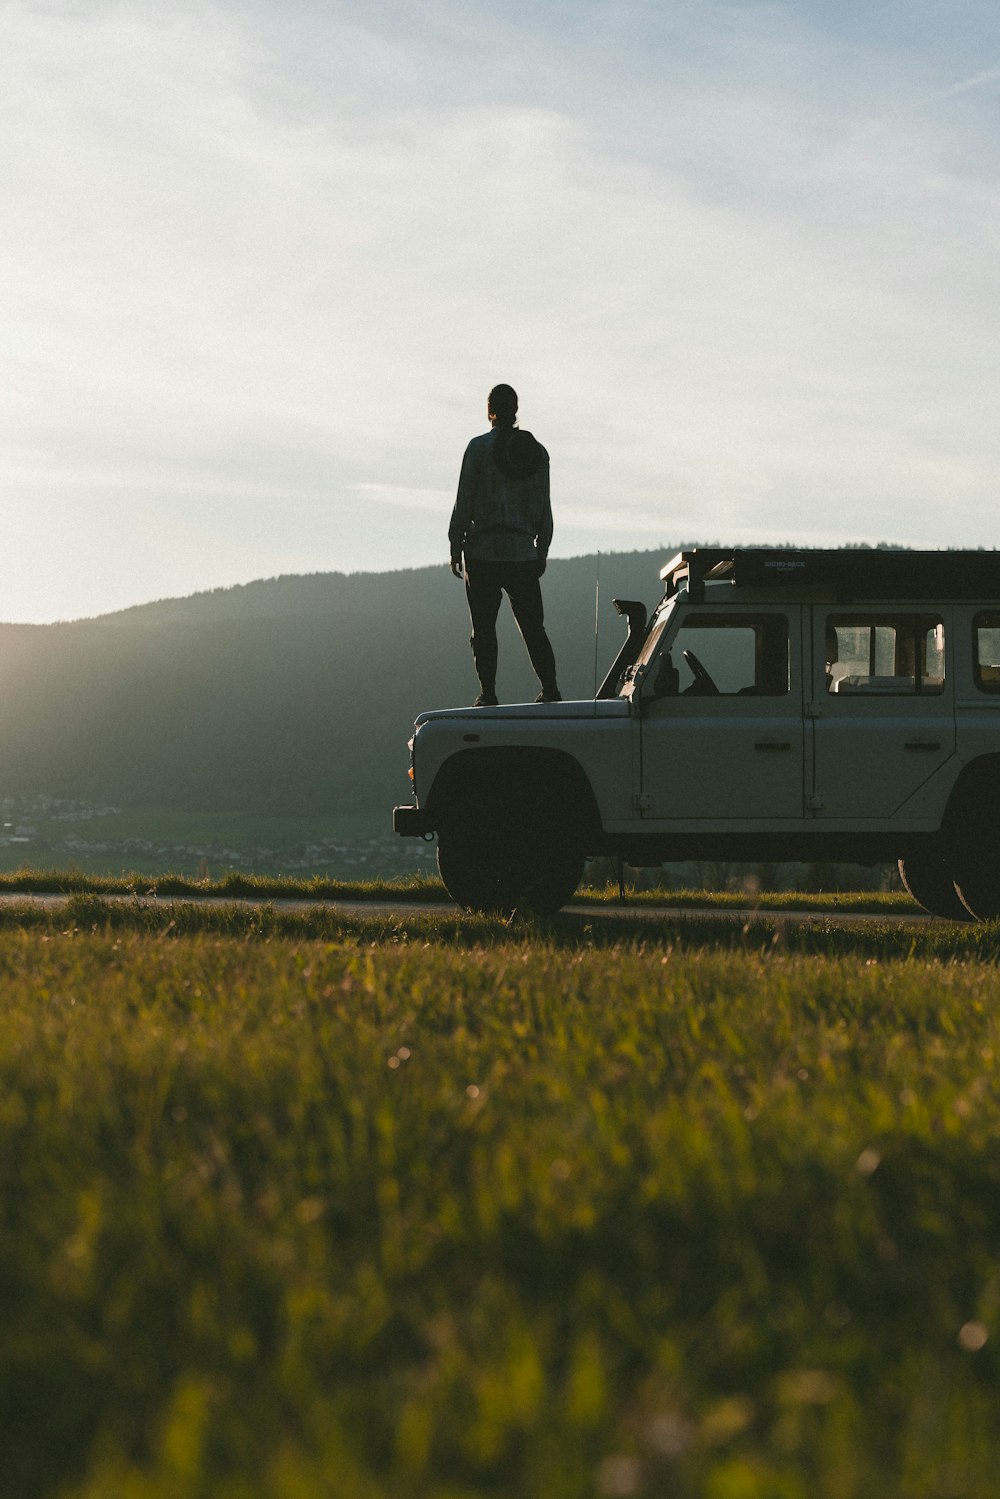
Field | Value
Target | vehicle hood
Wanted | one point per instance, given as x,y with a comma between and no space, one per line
612,707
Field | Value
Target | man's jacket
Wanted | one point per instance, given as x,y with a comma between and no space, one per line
502,511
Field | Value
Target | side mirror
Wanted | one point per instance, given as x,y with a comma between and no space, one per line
638,678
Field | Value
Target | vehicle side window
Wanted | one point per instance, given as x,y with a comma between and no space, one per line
721,654
882,655
986,630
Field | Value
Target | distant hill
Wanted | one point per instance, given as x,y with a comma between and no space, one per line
291,695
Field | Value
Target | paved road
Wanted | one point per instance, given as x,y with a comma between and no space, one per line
417,908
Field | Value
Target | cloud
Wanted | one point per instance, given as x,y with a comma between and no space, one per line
985,79
439,501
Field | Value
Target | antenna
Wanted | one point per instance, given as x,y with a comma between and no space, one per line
597,623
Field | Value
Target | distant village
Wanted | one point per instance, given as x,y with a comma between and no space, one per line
50,832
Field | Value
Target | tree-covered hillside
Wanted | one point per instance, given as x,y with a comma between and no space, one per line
291,695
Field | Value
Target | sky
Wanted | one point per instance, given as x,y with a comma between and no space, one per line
263,261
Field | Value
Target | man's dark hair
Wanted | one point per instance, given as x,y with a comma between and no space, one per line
502,402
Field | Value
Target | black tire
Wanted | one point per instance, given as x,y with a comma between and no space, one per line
475,870
553,880
929,881
973,835
978,887
497,870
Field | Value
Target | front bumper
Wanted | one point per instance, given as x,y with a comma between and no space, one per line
411,822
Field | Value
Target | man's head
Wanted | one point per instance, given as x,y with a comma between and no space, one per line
501,405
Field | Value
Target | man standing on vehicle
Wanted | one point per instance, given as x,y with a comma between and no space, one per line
502,523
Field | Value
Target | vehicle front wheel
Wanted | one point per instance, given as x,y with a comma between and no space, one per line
556,871
498,871
476,870
927,878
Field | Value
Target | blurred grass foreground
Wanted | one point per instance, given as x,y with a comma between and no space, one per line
440,1208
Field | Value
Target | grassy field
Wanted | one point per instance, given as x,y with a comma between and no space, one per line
419,888
296,1205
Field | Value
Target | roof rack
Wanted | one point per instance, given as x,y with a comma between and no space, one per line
849,573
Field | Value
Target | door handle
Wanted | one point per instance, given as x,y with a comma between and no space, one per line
922,744
772,745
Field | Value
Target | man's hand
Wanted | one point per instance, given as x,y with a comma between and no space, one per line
541,566
456,567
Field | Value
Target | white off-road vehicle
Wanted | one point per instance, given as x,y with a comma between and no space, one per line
778,705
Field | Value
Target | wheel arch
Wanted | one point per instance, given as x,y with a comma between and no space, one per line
499,779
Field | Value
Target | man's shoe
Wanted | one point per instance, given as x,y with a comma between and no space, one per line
486,700
555,696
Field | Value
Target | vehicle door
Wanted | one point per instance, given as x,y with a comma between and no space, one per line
720,717
882,708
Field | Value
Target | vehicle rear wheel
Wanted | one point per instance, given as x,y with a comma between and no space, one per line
978,887
928,880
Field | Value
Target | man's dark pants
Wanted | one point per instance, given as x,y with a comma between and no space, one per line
485,584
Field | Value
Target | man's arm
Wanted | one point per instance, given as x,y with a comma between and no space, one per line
461,514
543,539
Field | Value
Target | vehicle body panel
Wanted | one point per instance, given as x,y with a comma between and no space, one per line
875,750
598,735
732,755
